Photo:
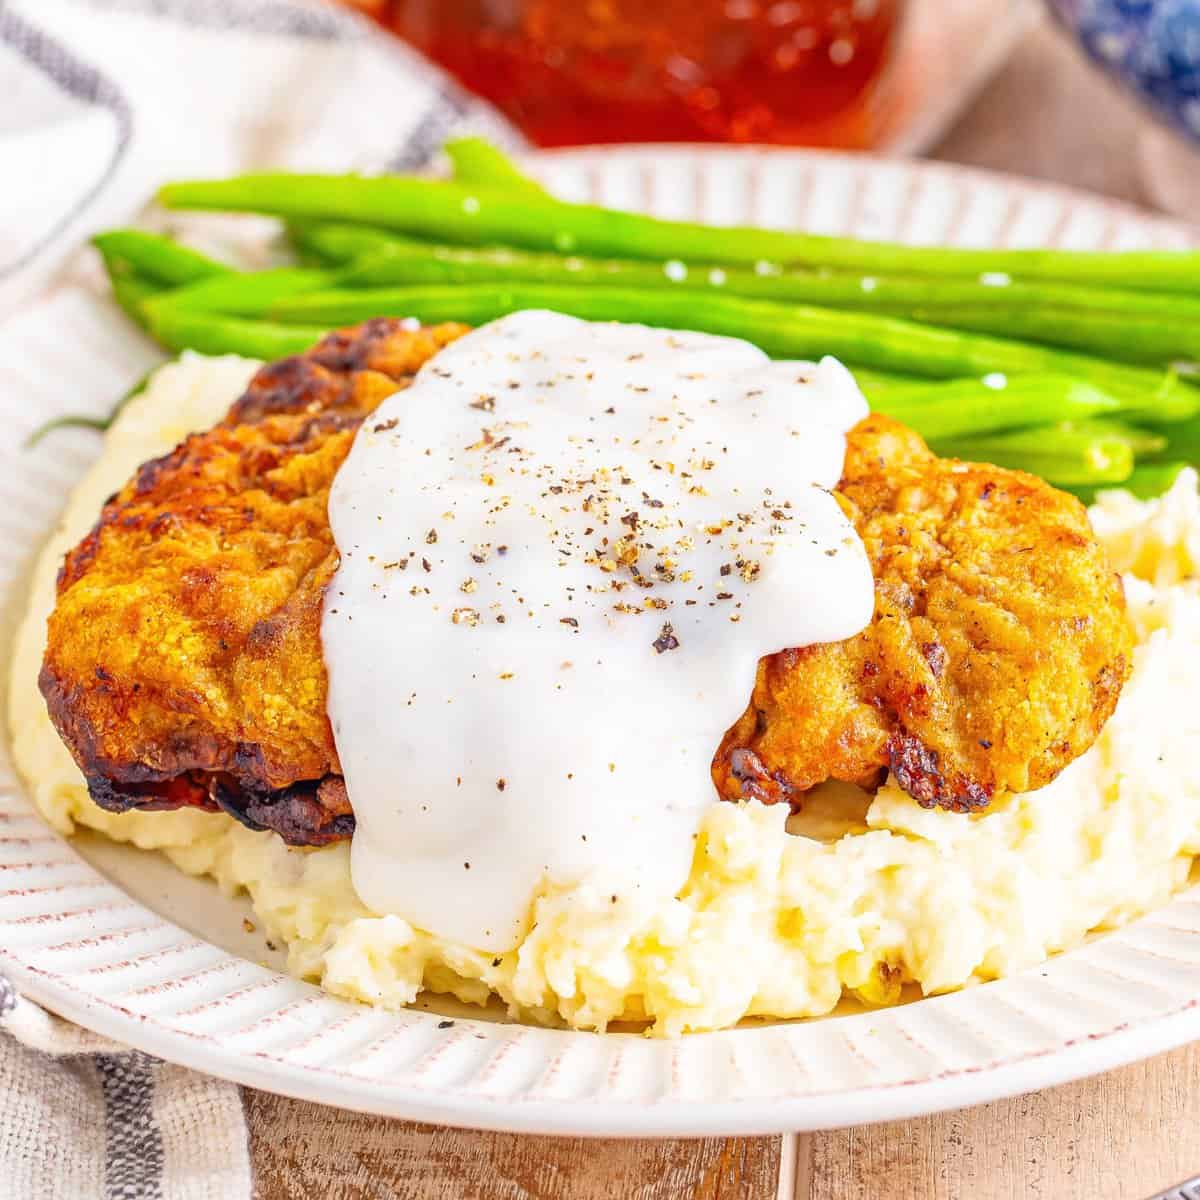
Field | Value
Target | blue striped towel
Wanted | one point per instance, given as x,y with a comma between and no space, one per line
102,101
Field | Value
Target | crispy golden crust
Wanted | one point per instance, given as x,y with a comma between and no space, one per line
998,648
183,663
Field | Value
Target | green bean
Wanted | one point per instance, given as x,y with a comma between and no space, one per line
181,328
1183,441
784,331
247,295
964,407
1141,441
1072,453
874,382
456,213
154,256
1127,326
132,292
1122,336
1146,481
338,244
477,162
377,261
408,261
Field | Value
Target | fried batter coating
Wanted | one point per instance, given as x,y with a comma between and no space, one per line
997,651
184,664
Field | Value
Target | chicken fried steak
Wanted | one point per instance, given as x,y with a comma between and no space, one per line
998,649
184,666
183,662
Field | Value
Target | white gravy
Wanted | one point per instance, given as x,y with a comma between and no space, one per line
563,551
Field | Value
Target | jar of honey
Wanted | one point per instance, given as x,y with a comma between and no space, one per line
796,72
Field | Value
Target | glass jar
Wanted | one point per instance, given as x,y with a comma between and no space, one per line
796,72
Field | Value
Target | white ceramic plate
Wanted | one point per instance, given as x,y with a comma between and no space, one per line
118,941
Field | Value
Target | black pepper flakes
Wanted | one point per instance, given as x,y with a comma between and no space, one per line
666,639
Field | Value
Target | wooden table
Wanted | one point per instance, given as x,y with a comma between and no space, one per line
1118,1137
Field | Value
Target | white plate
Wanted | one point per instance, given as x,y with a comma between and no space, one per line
121,943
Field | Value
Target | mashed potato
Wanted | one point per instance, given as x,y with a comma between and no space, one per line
775,920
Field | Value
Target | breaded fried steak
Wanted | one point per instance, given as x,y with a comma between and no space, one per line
184,665
998,649
183,662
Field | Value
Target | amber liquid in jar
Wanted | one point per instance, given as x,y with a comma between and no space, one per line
799,72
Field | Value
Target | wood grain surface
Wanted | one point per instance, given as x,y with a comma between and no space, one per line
1120,1136
302,1151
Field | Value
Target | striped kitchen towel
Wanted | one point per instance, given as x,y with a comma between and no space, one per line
81,1117
101,101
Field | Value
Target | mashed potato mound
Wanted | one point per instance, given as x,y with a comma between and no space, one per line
778,918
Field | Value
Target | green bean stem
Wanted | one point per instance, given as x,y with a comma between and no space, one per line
87,421
477,162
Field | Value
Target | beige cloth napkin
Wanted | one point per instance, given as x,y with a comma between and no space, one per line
81,1116
100,101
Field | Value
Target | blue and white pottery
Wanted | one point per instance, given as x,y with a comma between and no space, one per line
1151,46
